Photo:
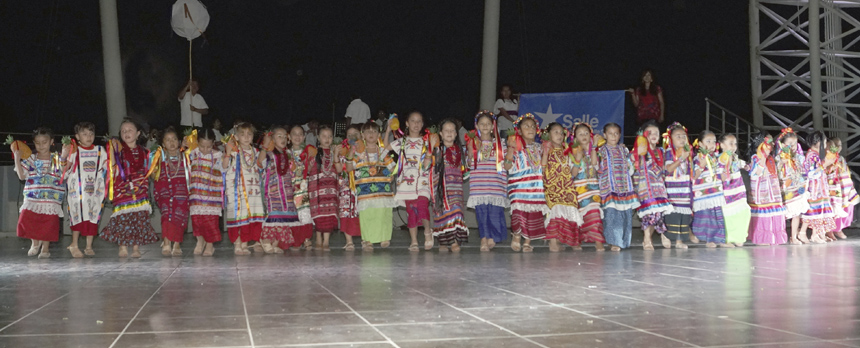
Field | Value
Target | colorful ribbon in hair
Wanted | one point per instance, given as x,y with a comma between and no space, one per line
497,142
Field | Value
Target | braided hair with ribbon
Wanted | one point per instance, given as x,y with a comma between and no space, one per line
474,142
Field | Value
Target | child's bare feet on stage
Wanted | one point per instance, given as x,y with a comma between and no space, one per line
135,251
177,251
553,245
76,253
599,246
209,249
123,251
198,249
693,239
165,247
727,245
455,247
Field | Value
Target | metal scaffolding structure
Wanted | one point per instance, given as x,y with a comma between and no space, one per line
805,68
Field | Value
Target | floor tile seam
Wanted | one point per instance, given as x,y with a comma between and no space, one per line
143,306
699,313
482,319
588,314
387,339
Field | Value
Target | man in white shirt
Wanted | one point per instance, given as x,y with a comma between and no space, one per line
357,112
311,132
192,105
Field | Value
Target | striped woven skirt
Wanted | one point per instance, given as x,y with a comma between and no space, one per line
767,224
450,227
528,224
708,225
591,230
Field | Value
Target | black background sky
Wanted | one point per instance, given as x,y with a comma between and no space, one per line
397,54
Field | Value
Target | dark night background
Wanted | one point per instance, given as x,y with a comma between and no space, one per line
397,54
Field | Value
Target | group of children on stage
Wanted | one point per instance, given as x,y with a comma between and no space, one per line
569,186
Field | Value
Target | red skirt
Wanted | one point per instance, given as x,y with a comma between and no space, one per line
591,230
249,232
172,230
567,232
350,226
301,234
529,224
206,226
38,226
86,228
326,224
281,234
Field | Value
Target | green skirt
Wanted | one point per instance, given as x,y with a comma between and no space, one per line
376,224
738,223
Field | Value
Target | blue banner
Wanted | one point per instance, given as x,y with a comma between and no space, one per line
593,108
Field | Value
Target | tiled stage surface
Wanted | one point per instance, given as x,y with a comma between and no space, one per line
784,296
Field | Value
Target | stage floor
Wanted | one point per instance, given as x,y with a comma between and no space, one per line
783,296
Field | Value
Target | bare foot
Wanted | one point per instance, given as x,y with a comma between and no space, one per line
515,243
209,249
177,251
667,243
491,243
694,239
553,245
739,245
680,245
841,235
428,241
711,245
89,252
455,247
123,251
614,248
527,248
76,253
599,246
198,249
385,244
135,251
165,247
443,248
727,245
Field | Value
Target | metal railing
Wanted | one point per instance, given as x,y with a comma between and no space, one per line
720,120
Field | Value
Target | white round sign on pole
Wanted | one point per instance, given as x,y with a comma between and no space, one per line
189,18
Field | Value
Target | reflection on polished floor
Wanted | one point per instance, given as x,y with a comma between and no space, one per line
784,296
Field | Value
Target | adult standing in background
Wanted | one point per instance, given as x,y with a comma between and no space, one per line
357,112
311,129
506,108
192,105
648,99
